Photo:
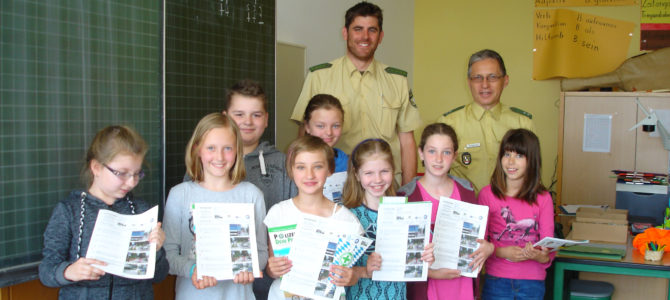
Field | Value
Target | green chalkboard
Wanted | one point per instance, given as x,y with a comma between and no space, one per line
70,67
67,69
209,46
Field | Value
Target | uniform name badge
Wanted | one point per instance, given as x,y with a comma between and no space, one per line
466,158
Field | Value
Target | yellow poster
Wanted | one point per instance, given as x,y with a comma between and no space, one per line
655,11
654,24
557,3
571,44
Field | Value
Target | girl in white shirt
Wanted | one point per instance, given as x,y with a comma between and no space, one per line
309,162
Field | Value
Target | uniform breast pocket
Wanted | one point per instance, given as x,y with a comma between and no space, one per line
389,117
471,152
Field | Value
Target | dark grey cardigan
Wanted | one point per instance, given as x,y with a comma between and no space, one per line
60,250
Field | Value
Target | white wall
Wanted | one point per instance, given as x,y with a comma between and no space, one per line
317,24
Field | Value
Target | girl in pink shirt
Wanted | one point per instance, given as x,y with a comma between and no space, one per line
520,214
437,150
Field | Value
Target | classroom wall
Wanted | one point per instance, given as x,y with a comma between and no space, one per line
317,25
446,33
320,33
290,71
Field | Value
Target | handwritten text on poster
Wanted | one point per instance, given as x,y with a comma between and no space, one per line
572,44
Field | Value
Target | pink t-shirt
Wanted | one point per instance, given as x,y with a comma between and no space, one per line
457,288
515,222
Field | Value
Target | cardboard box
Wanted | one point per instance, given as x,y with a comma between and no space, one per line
605,216
604,225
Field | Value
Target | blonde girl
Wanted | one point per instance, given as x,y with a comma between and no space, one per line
214,160
113,168
520,214
309,162
370,177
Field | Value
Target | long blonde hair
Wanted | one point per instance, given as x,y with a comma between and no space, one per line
353,193
194,163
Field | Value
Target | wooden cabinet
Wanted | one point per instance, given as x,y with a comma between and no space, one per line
584,177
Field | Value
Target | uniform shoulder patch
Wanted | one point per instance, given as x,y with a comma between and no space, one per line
411,98
320,66
392,70
453,110
521,112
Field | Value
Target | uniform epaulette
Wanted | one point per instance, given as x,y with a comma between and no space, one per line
393,70
453,110
320,66
521,112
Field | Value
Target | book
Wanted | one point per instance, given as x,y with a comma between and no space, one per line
594,250
597,256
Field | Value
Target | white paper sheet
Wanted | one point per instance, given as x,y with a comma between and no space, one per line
458,225
122,241
403,231
555,244
312,253
225,239
334,185
597,136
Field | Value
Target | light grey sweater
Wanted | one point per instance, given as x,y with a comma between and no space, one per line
179,242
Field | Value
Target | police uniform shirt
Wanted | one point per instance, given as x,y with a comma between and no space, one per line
480,132
376,102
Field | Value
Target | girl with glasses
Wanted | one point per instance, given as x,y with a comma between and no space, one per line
113,168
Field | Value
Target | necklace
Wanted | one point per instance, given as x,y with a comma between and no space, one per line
82,201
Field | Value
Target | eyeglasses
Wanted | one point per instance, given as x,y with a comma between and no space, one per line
489,78
125,175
